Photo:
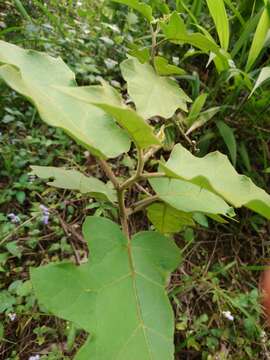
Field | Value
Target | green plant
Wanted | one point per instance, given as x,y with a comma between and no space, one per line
126,270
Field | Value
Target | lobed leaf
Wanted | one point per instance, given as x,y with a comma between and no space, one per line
185,196
118,296
215,173
152,94
74,180
108,99
38,76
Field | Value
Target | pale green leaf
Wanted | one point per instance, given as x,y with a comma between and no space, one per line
118,295
163,67
109,101
219,15
196,108
228,136
264,75
185,196
203,118
38,76
215,172
152,94
74,180
167,219
259,38
142,8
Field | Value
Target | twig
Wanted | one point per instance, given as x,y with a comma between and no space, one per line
140,205
108,171
69,230
138,173
152,175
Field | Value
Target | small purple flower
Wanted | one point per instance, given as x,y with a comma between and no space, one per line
14,218
45,214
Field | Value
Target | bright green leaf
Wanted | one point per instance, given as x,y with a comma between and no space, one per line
118,296
219,15
185,196
142,8
152,94
176,32
228,136
74,180
196,108
264,75
167,219
38,76
163,67
215,172
259,38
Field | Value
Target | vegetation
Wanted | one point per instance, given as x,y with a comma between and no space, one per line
113,183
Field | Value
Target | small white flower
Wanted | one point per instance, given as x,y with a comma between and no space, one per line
12,316
35,357
227,314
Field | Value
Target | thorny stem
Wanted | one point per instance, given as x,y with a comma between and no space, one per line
140,205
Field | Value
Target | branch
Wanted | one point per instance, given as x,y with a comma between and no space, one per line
138,173
140,205
109,173
147,175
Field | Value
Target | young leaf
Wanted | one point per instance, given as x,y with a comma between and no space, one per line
163,67
74,180
185,196
196,108
167,219
264,75
152,94
142,8
228,136
38,77
259,38
175,31
215,172
118,296
219,15
108,100
203,118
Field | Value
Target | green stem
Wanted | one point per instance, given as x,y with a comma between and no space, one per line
142,204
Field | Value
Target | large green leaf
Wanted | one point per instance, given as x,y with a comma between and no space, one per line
163,67
74,180
118,296
219,15
152,94
167,219
185,196
259,38
107,98
38,76
215,172
142,8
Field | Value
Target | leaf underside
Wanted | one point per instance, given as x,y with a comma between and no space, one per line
74,180
152,94
215,173
37,76
118,295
